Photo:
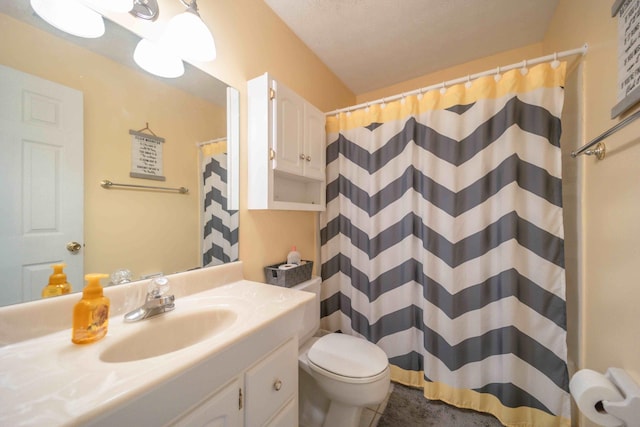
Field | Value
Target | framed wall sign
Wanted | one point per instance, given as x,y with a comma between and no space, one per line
146,156
628,14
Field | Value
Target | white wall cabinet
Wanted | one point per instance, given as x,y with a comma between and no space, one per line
287,145
264,395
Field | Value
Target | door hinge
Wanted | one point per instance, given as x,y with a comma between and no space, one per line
272,154
239,398
272,94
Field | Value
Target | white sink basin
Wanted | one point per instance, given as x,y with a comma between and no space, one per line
169,332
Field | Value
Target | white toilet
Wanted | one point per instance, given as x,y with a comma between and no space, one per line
339,374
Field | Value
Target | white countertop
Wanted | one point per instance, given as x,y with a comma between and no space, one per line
50,381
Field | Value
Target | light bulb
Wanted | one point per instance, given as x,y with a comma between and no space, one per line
120,6
70,16
156,60
188,37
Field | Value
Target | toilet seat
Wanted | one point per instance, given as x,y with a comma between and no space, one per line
347,358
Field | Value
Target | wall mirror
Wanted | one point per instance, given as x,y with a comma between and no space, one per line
145,231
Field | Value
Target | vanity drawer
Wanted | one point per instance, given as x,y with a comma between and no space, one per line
270,383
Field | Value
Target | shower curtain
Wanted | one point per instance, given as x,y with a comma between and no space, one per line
220,225
442,242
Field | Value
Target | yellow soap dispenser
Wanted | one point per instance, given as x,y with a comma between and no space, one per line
58,284
91,313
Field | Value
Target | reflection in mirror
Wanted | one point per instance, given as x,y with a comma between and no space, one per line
57,89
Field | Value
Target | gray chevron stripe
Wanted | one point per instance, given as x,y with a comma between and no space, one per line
506,340
215,168
506,284
512,396
215,252
528,177
215,195
530,118
217,216
509,226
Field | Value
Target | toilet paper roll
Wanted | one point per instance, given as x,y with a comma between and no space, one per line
589,388
286,266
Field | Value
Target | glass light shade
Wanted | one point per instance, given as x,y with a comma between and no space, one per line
156,60
188,37
121,6
70,16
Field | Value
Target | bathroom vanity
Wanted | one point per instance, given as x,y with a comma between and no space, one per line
227,354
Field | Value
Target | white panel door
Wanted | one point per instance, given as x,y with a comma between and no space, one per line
41,183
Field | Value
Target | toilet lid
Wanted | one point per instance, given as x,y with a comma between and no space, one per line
348,356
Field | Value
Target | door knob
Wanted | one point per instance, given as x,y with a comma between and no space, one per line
302,156
74,247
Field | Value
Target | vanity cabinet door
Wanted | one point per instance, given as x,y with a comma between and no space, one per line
272,383
220,410
287,417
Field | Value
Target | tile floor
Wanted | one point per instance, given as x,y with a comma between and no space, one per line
371,415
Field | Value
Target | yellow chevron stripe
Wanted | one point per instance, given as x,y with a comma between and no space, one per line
542,75
484,402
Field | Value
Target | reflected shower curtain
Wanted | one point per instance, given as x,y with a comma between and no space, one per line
220,225
442,242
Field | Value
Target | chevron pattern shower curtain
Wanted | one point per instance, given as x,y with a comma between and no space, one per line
442,242
220,233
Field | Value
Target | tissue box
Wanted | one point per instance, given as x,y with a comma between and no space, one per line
290,277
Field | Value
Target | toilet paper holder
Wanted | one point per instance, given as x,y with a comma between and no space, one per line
627,410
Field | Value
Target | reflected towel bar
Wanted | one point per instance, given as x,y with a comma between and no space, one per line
600,149
108,184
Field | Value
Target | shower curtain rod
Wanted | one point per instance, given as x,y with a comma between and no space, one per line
211,141
528,62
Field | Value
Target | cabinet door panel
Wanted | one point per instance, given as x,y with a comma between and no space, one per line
289,120
271,383
287,417
315,143
220,410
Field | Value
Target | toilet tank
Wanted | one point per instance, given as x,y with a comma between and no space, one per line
311,320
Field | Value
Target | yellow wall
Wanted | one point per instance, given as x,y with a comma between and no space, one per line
251,40
126,229
468,68
610,192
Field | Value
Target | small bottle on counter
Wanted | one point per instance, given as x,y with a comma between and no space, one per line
294,256
58,284
91,313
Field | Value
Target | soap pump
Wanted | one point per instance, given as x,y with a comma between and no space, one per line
58,284
91,313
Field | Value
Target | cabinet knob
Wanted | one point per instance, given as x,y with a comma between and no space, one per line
277,385
302,156
308,158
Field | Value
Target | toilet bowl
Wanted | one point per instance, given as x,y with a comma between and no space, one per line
339,374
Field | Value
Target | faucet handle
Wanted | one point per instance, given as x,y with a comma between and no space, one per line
159,286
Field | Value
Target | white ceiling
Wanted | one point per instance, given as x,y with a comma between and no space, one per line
371,44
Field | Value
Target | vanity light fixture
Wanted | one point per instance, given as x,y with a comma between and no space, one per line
70,16
121,6
157,60
188,36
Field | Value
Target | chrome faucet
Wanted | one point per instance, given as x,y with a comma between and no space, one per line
156,302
